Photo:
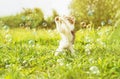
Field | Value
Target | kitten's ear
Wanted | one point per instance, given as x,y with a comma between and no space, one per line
73,19
57,18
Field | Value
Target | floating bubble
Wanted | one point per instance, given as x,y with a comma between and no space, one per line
44,24
6,28
69,66
88,39
8,37
102,23
100,33
28,18
109,21
94,70
21,25
88,48
90,12
103,44
31,42
88,7
61,62
49,31
38,46
77,14
98,28
8,66
91,60
34,31
1,24
23,18
87,51
100,42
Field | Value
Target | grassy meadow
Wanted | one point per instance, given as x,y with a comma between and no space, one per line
29,54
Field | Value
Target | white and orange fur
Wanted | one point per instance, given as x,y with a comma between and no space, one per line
65,26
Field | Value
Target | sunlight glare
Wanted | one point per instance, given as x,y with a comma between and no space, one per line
15,6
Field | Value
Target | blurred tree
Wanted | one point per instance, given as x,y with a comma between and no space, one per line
32,17
97,12
50,20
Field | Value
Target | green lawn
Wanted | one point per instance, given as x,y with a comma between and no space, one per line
29,54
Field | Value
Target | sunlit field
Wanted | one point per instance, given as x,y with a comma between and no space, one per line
29,54
29,39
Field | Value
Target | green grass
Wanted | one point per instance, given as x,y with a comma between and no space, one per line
29,54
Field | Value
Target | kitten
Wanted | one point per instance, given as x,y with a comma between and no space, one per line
65,26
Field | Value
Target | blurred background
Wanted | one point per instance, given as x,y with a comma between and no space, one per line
28,39
41,13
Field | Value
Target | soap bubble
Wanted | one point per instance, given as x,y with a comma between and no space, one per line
8,37
88,39
102,23
34,31
6,28
90,12
91,60
109,21
60,61
77,14
21,25
23,18
1,24
28,18
94,70
31,43
88,51
44,24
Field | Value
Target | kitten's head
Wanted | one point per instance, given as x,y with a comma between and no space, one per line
69,19
68,22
